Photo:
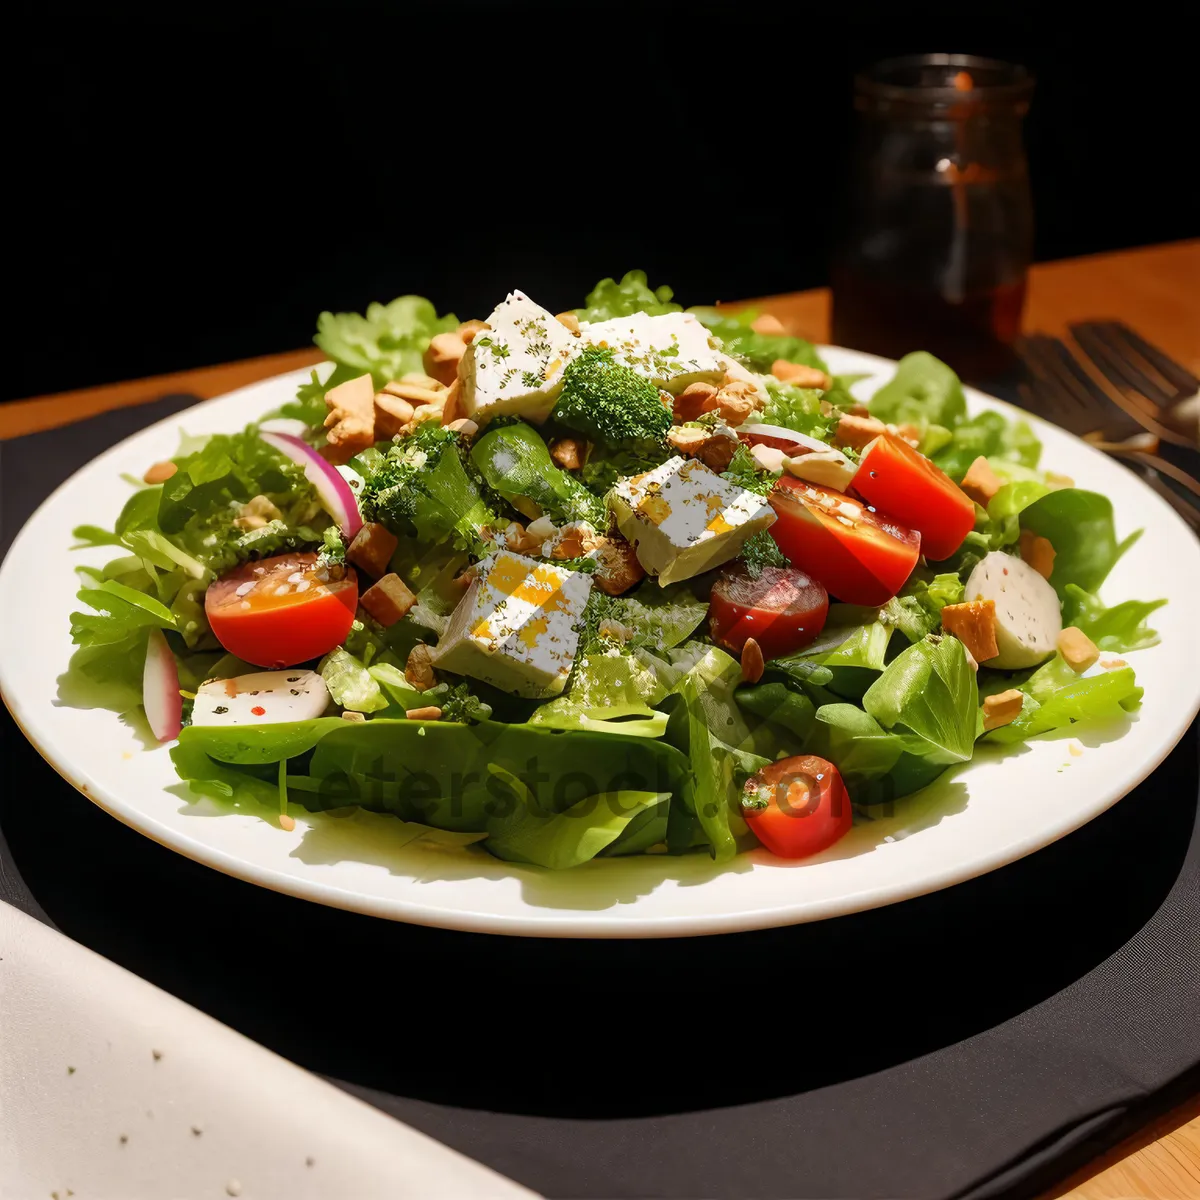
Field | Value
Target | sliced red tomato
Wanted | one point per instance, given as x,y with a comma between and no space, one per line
858,553
903,482
782,610
281,611
797,806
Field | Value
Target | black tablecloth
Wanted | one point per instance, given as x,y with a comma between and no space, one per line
983,1041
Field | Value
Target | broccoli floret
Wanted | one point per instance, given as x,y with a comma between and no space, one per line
611,403
426,487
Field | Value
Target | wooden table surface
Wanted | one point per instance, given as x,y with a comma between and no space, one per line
1156,290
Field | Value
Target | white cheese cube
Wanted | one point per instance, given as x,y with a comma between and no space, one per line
516,366
684,519
671,350
517,626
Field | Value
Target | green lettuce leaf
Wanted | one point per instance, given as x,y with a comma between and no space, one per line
350,684
610,299
798,409
757,350
389,341
1120,628
917,611
565,839
991,436
119,612
923,391
928,696
1079,525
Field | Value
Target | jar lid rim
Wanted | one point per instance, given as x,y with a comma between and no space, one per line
1014,90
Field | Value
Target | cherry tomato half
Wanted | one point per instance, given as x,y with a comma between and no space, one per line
782,610
903,482
281,611
859,554
797,806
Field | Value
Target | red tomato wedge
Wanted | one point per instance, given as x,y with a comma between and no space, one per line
798,806
782,610
281,611
903,482
858,553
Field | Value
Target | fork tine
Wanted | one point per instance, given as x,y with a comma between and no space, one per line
1121,369
1178,376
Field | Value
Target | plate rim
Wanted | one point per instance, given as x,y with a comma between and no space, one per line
575,923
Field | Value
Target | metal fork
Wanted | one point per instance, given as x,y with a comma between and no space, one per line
1071,390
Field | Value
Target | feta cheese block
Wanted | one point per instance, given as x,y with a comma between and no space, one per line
261,698
683,519
1028,615
517,626
516,366
672,350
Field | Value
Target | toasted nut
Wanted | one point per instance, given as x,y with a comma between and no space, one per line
542,529
388,600
735,402
859,432
768,324
1038,552
574,540
617,566
715,448
980,482
391,415
768,458
372,549
351,419
464,427
420,379
752,661
256,513
570,320
160,472
974,624
353,716
418,670
430,712
1002,709
568,452
452,409
798,375
441,356
415,393
1078,650
468,329
695,399
513,536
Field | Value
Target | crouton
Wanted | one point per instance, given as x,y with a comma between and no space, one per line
351,420
1002,709
769,325
974,624
798,375
569,452
372,549
713,447
388,600
980,482
1038,553
430,712
1078,650
752,661
160,472
617,566
442,355
859,432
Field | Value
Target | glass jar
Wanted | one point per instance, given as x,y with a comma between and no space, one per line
939,220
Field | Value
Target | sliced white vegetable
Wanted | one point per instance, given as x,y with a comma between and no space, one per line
1028,615
777,433
334,492
160,689
261,698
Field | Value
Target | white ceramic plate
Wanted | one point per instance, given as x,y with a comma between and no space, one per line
998,808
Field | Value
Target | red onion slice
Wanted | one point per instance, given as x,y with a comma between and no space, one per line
333,491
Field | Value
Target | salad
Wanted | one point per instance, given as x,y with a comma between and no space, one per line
622,580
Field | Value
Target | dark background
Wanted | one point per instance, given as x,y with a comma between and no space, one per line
192,189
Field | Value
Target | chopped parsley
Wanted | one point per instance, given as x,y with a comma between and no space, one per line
760,550
746,473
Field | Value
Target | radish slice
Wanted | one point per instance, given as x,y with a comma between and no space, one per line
332,490
160,689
